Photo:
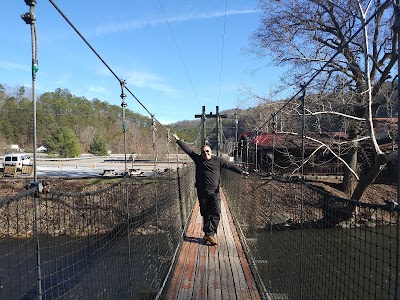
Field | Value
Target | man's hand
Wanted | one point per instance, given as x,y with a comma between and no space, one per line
175,136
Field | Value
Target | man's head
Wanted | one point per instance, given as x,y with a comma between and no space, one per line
206,152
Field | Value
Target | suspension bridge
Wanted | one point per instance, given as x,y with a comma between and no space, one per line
140,238
281,237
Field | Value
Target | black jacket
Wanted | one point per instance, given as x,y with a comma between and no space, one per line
208,172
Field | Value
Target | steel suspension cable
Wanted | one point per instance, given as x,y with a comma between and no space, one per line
102,60
222,53
83,38
179,52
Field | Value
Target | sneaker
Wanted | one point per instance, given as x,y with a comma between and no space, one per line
211,239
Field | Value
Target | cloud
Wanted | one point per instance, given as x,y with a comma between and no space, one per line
142,79
133,25
61,82
98,90
151,81
10,66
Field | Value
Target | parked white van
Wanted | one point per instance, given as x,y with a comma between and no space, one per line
17,159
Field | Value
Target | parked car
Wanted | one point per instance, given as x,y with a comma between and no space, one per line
17,159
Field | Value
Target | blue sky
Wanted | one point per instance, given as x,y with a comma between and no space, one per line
174,55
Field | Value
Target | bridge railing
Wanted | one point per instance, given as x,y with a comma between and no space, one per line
118,242
304,243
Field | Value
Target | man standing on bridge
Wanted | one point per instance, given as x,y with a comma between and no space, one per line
208,173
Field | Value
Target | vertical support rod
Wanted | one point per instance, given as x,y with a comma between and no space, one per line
236,135
273,144
303,125
153,122
34,63
256,158
30,19
241,150
123,105
168,141
396,31
218,135
247,153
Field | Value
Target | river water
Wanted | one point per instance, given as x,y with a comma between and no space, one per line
336,263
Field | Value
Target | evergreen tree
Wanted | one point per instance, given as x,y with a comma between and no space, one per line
98,146
64,142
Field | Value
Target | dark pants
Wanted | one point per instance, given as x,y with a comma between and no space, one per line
210,210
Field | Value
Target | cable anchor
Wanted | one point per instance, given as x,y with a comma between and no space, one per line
29,17
123,96
30,2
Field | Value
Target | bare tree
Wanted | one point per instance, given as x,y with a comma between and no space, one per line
349,44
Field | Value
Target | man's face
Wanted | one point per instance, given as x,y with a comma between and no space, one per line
206,152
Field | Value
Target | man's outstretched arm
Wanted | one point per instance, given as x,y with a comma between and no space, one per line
183,146
234,168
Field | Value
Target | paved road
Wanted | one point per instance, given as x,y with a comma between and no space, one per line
94,167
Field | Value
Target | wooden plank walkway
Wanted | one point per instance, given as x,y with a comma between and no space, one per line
212,272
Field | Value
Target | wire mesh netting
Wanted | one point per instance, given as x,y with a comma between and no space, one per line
304,243
121,241
118,242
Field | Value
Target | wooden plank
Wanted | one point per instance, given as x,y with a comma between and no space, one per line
244,264
180,266
239,281
227,282
214,280
187,285
212,272
200,280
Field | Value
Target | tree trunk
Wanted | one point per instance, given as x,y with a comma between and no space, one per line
350,210
369,178
349,180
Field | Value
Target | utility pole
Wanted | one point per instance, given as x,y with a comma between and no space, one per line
202,126
219,130
218,117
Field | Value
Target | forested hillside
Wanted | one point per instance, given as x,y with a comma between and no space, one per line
62,115
64,118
